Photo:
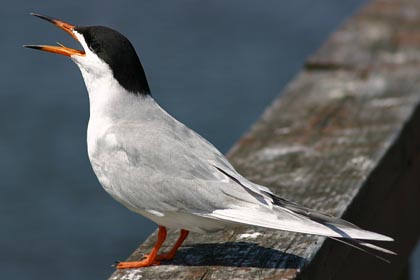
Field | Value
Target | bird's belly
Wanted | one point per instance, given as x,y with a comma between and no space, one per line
190,222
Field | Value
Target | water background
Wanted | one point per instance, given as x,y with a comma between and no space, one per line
215,65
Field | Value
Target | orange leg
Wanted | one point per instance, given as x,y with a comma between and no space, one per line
151,258
171,254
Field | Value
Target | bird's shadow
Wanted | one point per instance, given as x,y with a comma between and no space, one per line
235,254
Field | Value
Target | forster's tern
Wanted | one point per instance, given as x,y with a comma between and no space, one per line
161,169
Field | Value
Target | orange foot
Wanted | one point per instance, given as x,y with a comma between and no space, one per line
153,258
143,263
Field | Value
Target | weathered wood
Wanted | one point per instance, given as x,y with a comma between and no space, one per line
343,138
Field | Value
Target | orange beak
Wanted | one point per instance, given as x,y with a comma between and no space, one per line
60,49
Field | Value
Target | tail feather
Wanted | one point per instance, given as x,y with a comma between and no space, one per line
322,218
309,222
360,246
374,247
284,219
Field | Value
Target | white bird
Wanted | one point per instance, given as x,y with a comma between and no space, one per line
159,168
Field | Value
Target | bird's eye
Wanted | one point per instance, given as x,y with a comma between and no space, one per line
95,46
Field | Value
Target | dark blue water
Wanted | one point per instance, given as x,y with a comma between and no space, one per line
214,65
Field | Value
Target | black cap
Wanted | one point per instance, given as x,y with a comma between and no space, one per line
117,51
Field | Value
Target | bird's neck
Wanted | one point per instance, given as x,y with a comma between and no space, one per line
107,98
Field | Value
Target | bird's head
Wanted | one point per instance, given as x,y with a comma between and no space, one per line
106,53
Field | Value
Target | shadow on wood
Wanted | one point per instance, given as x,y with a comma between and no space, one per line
234,254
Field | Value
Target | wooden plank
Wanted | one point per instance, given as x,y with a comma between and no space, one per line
343,138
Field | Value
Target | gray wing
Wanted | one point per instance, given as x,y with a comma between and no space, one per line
164,166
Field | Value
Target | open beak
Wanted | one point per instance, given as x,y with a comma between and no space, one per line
60,49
